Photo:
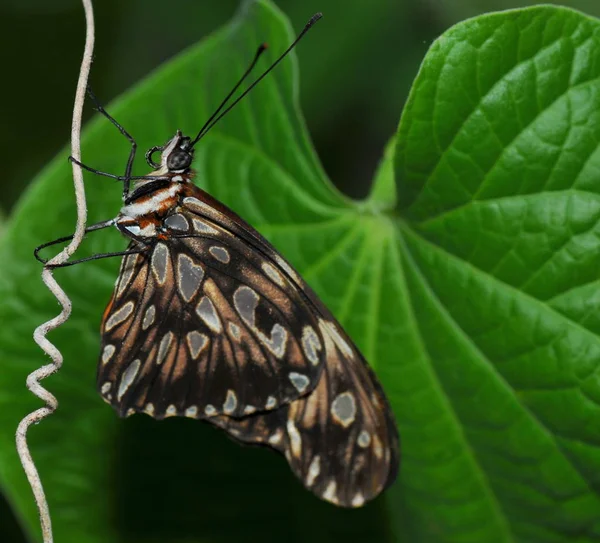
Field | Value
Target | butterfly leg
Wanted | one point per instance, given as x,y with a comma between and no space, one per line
131,158
119,177
98,257
97,172
92,228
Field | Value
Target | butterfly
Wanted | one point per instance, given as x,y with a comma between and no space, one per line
208,321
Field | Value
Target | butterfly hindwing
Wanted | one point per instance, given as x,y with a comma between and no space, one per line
341,440
201,325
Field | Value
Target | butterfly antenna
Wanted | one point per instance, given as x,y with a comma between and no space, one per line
216,117
261,49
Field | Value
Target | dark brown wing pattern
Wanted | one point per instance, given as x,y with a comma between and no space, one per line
341,440
212,323
184,336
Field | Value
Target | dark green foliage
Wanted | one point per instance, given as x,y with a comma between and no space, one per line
473,293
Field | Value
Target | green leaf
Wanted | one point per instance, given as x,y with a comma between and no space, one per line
2,223
497,171
469,286
138,480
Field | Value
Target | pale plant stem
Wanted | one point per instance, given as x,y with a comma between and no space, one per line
33,380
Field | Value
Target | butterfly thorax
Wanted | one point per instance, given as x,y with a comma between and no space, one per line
155,198
150,204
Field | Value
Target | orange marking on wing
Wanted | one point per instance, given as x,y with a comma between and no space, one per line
107,312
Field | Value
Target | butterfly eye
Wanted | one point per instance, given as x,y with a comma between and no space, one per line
179,160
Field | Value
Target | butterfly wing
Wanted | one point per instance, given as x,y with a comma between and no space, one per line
341,439
238,338
201,325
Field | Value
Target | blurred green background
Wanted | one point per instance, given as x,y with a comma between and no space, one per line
356,68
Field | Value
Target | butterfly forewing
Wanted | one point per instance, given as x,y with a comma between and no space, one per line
202,325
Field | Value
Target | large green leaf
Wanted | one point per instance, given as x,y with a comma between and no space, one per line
497,171
468,284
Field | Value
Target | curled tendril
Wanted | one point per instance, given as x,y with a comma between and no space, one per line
33,380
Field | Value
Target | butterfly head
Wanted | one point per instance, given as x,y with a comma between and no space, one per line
176,155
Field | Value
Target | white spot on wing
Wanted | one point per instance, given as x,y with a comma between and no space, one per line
171,411
299,381
220,253
203,228
149,317
196,343
189,276
106,387
343,409
207,312
126,274
163,348
271,402
249,409
245,301
330,492
177,222
288,269
275,439
295,439
234,330
364,439
128,378
160,262
330,329
230,402
273,274
191,411
278,340
119,316
313,470
311,344
358,500
377,448
107,353
149,409
210,410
